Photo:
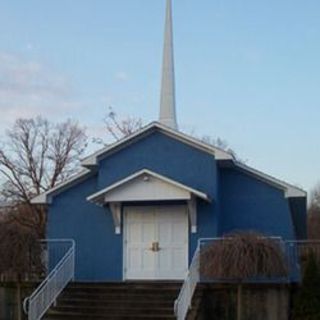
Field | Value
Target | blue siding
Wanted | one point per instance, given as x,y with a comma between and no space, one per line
239,202
99,250
250,204
166,156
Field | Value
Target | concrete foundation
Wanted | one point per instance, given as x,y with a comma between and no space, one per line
259,302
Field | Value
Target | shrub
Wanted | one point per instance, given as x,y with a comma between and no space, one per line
20,255
241,256
307,303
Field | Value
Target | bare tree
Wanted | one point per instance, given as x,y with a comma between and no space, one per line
217,142
20,253
314,214
36,155
118,128
221,144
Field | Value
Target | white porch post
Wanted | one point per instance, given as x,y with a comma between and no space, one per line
192,211
115,208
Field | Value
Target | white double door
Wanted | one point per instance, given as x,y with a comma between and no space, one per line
155,243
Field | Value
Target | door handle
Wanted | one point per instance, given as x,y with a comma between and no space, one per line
155,247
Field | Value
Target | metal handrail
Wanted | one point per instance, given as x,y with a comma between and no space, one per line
183,303
36,305
297,253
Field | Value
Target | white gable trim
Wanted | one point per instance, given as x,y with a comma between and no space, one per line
219,154
182,192
290,191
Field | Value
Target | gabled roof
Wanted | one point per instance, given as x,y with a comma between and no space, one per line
145,185
92,161
218,153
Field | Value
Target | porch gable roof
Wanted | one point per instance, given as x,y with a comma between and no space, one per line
145,185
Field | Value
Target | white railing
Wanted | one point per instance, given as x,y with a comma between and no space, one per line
183,302
62,273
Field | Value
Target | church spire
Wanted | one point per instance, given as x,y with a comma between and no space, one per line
167,100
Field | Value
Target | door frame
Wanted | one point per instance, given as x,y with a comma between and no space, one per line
126,211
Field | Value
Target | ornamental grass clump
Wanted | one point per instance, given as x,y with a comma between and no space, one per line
243,256
240,257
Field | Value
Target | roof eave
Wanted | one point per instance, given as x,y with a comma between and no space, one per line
290,191
40,199
46,197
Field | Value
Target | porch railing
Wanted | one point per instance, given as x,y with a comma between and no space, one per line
183,302
295,253
59,256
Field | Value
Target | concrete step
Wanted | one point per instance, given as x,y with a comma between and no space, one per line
146,284
116,310
119,296
100,289
162,303
80,316
123,300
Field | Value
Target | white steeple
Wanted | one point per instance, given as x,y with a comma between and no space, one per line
168,100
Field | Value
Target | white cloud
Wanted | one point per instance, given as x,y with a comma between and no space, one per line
28,88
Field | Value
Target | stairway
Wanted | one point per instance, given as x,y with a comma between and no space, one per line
123,300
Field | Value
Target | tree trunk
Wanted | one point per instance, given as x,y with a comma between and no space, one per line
239,302
19,306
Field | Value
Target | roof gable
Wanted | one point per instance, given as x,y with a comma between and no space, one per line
218,153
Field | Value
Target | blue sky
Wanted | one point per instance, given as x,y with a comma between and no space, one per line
247,71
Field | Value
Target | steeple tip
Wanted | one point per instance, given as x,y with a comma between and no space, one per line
167,100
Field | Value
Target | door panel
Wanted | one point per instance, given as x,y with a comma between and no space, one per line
167,225
173,238
140,232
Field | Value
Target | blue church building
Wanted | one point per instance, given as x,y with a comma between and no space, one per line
139,206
